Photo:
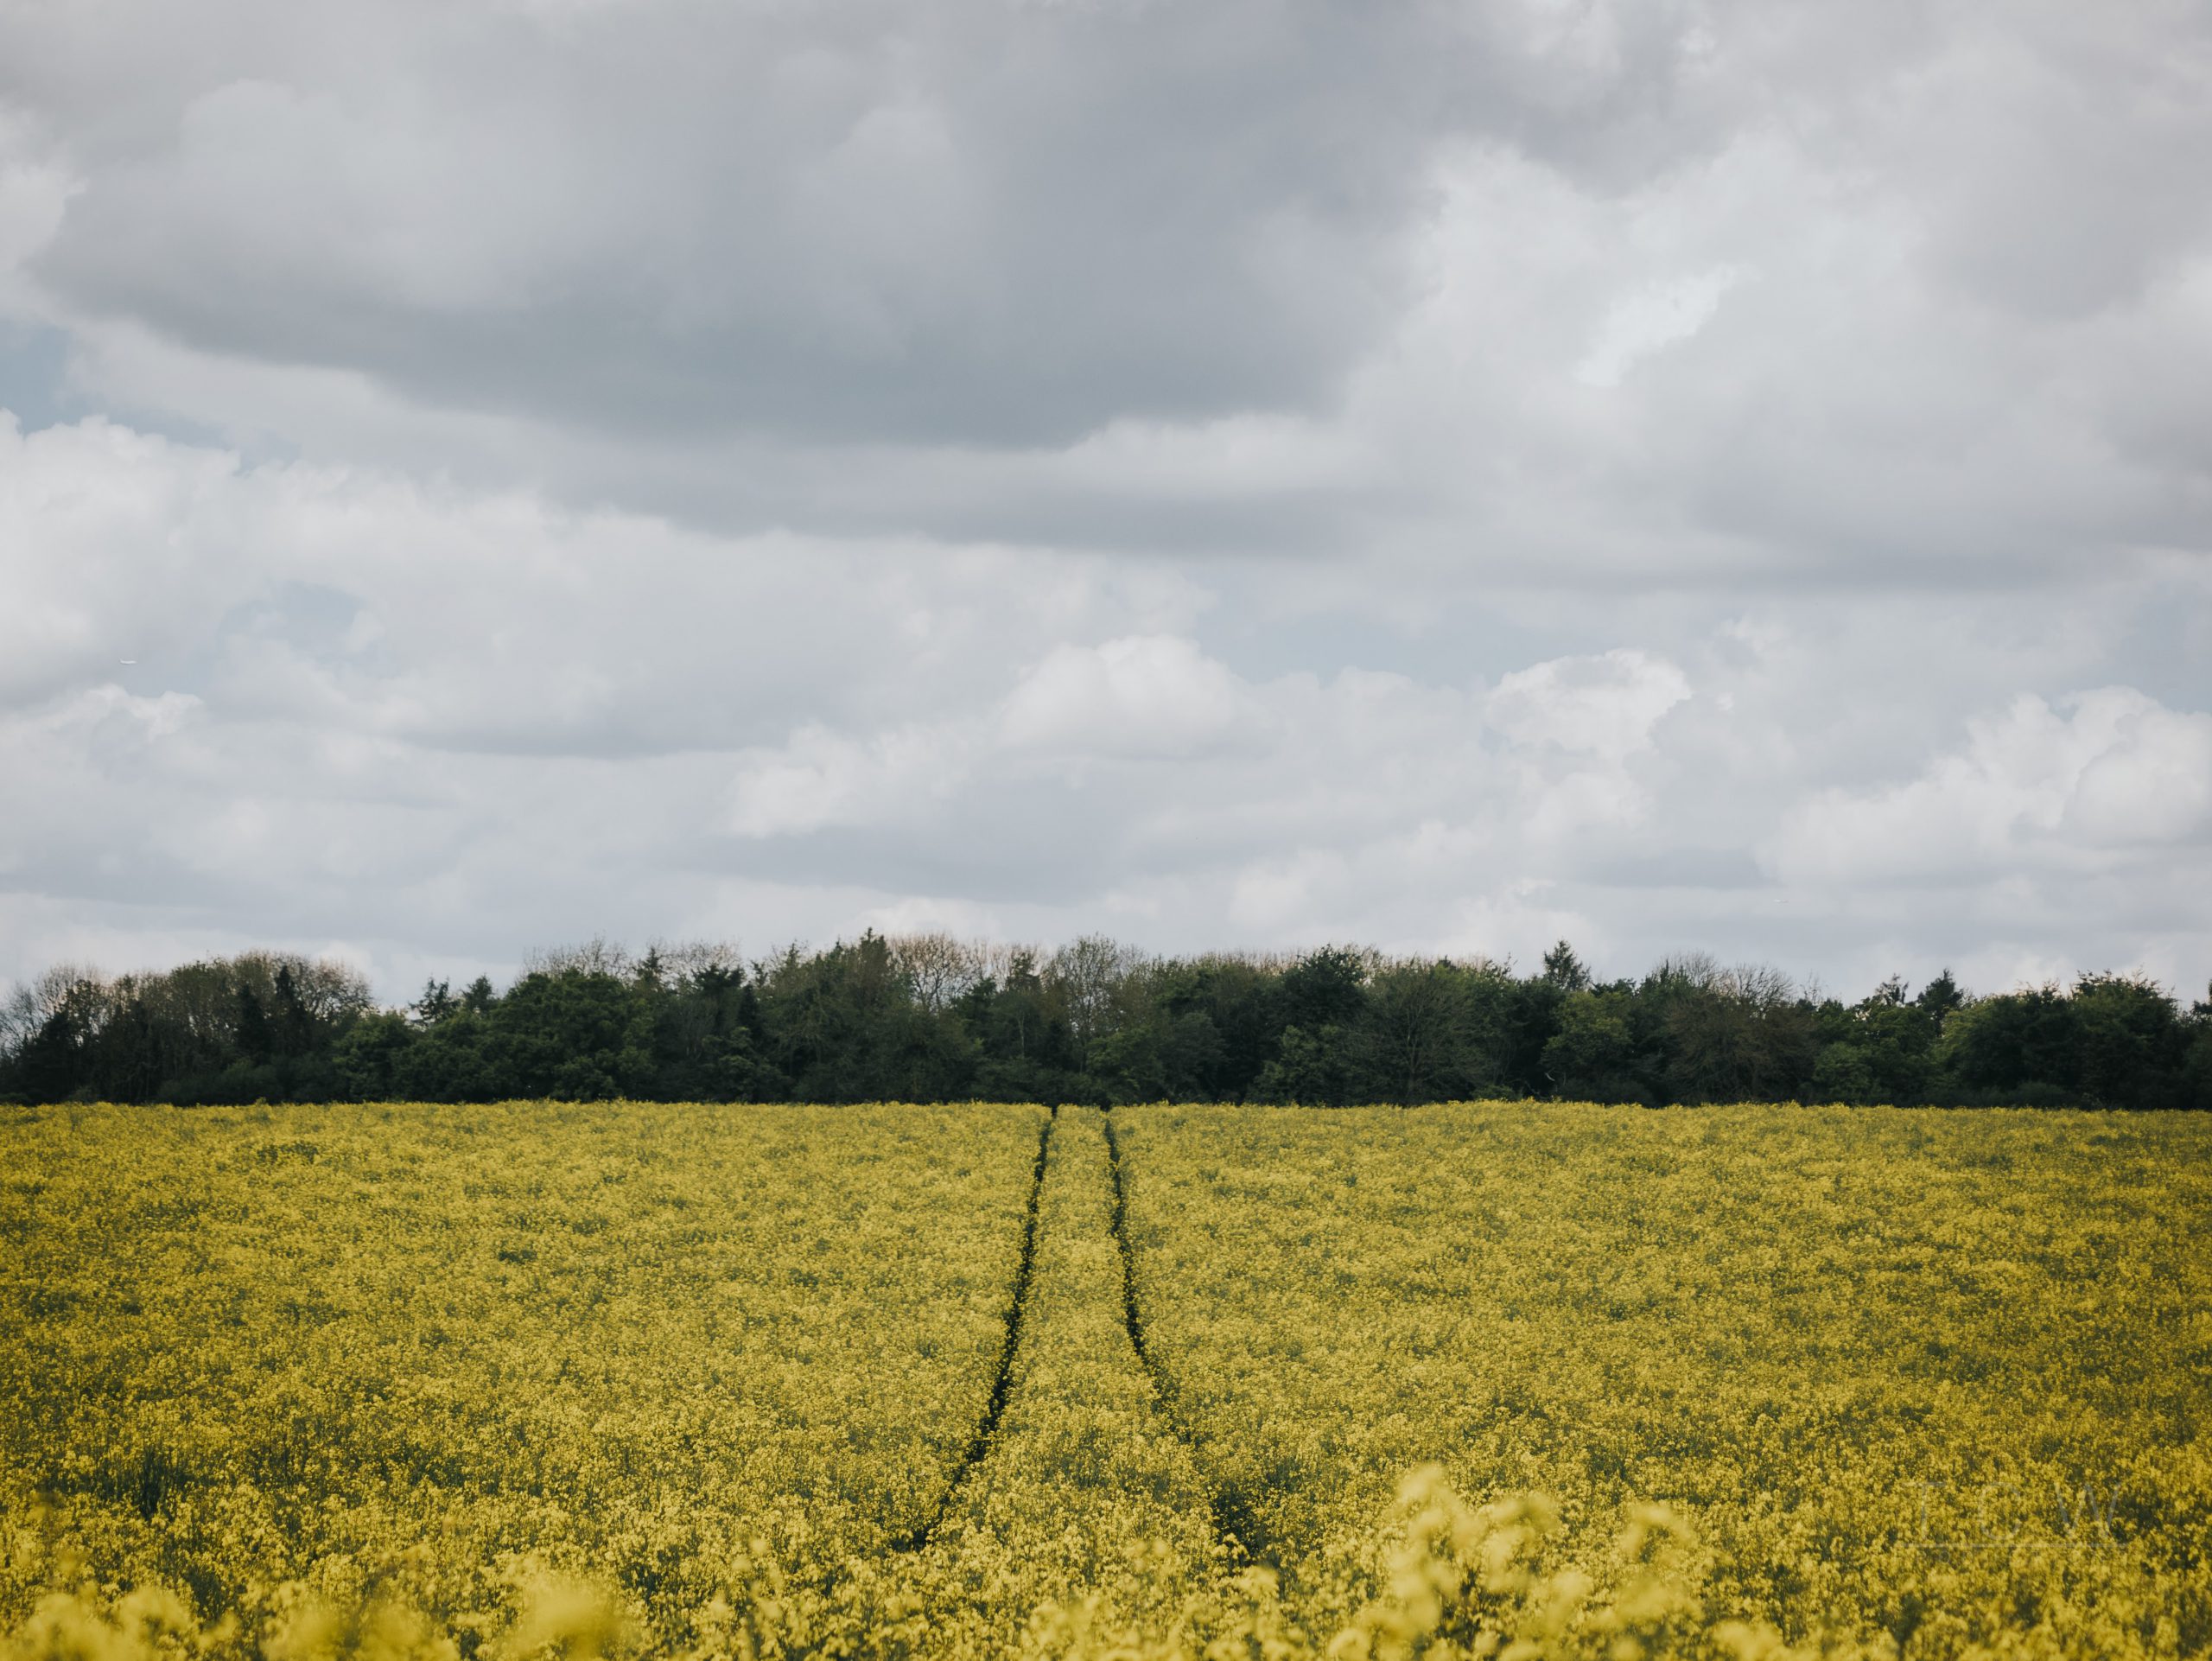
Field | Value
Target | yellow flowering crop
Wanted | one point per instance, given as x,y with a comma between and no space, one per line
1935,1380
530,1381
268,1354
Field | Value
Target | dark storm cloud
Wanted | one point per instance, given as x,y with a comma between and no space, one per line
982,221
1716,291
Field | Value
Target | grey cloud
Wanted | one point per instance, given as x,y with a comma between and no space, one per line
1719,294
1242,476
999,222
1376,804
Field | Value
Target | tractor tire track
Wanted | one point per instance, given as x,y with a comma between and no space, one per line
1017,1314
1234,1520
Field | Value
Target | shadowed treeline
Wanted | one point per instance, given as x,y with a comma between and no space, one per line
930,1018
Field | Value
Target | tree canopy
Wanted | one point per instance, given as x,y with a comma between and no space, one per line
930,1018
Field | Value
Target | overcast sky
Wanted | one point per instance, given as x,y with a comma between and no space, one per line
1723,476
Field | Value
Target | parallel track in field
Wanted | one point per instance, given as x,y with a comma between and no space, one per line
1017,1315
1234,1518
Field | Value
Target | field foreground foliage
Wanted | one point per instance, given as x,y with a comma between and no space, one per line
1525,1381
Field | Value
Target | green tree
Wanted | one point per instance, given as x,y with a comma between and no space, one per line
1564,970
576,1035
367,1061
1736,1035
1844,1072
2023,1045
2130,1040
437,1003
1326,988
1429,1032
1592,1056
255,1041
1310,1069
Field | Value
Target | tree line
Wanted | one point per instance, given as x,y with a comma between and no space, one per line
927,1017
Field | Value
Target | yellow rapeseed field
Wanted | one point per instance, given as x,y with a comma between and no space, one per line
1938,1380
428,1383
437,1353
